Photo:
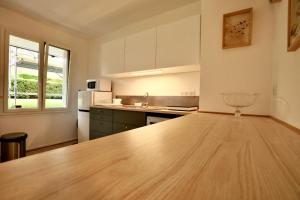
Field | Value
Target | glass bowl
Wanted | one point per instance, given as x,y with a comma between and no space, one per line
239,101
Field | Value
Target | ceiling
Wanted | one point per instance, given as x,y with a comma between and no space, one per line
95,17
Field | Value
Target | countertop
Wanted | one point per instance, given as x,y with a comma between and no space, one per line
150,109
197,156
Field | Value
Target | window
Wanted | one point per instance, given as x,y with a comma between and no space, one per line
1,65
57,78
23,73
36,80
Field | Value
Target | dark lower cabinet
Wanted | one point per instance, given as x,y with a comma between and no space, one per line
100,123
94,134
100,129
104,122
129,117
120,127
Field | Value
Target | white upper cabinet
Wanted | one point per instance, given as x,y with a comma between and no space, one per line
178,43
140,51
174,46
113,56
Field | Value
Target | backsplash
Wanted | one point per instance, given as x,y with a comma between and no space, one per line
184,101
181,84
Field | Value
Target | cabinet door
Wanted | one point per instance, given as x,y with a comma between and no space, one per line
100,129
120,127
129,117
101,114
140,51
112,57
127,120
178,43
100,123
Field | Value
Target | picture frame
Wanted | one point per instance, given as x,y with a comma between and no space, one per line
237,28
293,25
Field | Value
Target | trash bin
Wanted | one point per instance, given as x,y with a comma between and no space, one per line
13,146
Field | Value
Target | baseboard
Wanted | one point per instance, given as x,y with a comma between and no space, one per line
53,146
226,113
289,126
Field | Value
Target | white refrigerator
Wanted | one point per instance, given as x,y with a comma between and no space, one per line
85,100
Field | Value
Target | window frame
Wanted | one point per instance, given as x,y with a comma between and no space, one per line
45,77
2,65
43,62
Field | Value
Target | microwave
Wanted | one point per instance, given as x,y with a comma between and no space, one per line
102,85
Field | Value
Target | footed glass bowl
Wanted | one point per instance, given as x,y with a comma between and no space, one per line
239,101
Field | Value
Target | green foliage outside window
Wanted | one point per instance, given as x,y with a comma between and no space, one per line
27,87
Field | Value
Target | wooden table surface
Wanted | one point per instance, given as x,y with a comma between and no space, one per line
198,156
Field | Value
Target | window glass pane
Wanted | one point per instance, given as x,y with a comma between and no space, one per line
57,78
23,73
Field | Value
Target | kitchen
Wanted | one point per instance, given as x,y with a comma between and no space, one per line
173,53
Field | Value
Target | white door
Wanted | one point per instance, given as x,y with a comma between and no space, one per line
178,43
112,57
83,126
140,51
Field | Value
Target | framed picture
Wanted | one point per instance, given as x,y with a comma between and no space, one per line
294,25
237,28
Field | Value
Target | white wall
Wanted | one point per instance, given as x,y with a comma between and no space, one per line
162,85
46,129
246,69
286,71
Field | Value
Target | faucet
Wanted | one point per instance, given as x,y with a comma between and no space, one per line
146,103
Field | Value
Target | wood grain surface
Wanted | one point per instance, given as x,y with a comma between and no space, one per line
198,156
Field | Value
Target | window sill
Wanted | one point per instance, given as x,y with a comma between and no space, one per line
24,112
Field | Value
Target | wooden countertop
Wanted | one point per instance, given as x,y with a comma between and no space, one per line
151,109
198,156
